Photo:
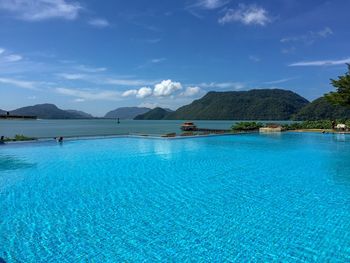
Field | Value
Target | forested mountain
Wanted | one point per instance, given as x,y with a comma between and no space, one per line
47,111
155,114
322,109
80,114
262,104
126,112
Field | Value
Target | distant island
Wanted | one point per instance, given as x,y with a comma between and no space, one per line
48,111
259,104
126,113
154,114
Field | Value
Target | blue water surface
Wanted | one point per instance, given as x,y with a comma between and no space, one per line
242,198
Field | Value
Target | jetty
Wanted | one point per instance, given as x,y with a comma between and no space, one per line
8,116
191,127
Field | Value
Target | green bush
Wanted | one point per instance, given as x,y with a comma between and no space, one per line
246,126
322,124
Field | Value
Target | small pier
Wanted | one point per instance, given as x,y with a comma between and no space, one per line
191,127
8,116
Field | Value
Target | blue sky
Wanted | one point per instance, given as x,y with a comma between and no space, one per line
99,55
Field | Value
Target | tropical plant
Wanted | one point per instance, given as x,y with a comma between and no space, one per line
342,94
246,126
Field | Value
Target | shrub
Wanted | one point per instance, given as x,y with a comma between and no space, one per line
246,126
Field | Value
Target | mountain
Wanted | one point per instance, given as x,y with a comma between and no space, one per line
155,114
80,114
2,112
321,109
261,104
125,113
46,111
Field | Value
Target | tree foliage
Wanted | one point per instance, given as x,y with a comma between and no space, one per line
342,94
247,126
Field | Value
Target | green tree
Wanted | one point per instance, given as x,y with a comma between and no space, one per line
342,95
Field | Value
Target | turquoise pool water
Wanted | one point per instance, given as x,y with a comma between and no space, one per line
244,198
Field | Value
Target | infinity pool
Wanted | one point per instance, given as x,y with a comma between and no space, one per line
237,198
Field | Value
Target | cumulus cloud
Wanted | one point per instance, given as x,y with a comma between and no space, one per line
246,14
130,92
166,88
321,63
140,93
99,22
191,91
88,94
144,92
38,10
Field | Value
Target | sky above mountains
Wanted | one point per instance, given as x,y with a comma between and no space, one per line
99,55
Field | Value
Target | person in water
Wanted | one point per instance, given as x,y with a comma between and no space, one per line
59,139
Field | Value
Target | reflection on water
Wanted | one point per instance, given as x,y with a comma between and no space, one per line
341,171
163,148
341,137
8,162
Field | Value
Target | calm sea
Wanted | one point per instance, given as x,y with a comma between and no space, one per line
53,128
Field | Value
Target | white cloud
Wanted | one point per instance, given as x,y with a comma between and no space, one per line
90,69
18,83
310,37
157,60
191,91
246,14
99,22
279,81
320,63
149,105
70,76
2,50
166,88
223,85
254,58
141,93
13,58
38,10
130,92
210,4
144,92
89,94
327,31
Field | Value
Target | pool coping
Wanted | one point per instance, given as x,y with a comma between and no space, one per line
149,136
136,136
